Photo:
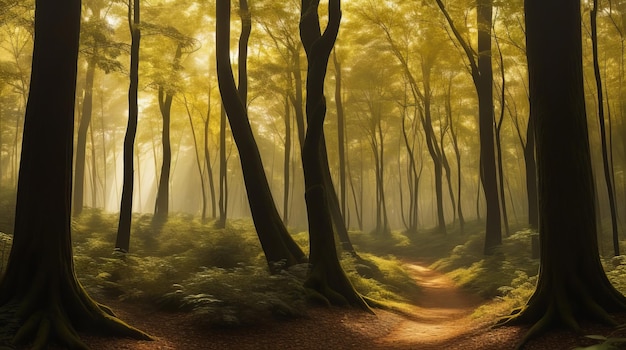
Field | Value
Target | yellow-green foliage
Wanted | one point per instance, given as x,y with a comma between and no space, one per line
239,296
393,284
492,276
615,268
220,274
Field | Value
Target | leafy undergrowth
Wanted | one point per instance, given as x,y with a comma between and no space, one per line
507,278
218,274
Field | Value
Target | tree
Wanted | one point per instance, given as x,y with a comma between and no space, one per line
572,284
100,52
280,249
608,174
482,75
326,279
122,242
50,305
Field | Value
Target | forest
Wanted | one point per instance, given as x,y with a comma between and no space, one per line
357,174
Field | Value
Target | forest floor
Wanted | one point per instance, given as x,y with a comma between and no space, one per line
440,317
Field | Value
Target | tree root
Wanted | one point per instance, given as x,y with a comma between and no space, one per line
336,290
546,310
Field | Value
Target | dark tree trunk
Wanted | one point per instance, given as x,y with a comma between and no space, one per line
431,143
482,75
166,95
484,88
122,242
280,249
498,125
531,174
41,301
207,157
81,140
572,285
413,178
326,279
287,156
340,134
608,174
457,153
223,198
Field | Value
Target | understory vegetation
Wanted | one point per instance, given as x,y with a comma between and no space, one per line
218,274
221,275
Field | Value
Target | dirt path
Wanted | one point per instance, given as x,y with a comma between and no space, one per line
440,320
443,312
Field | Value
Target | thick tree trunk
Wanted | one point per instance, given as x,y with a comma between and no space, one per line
41,301
122,242
572,285
280,249
326,279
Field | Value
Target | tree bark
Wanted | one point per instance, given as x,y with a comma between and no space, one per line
207,156
326,280
41,301
166,96
340,134
572,285
280,249
608,174
81,139
223,197
122,242
493,234
482,75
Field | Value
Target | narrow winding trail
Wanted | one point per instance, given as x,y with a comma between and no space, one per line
439,319
441,314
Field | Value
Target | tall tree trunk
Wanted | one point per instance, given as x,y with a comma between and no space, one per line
198,161
41,300
166,95
81,140
280,249
572,285
531,174
498,125
493,234
287,155
457,154
482,75
223,198
608,175
326,279
207,156
122,242
340,134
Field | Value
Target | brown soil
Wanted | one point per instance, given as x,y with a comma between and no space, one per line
442,319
